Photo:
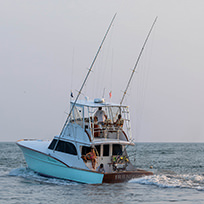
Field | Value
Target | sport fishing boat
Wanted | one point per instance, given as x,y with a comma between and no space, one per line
91,147
66,157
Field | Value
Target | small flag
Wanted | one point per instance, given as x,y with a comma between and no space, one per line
110,94
72,94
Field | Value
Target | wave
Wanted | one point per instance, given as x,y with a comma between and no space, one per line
173,181
35,177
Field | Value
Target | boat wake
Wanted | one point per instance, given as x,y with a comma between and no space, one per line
173,181
160,180
35,177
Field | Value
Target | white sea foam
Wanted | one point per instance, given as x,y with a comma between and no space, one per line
32,176
173,181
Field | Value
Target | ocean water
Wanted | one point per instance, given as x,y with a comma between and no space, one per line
178,178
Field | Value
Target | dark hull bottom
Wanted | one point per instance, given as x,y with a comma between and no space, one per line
125,176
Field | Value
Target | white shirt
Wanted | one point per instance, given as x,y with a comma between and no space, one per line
100,114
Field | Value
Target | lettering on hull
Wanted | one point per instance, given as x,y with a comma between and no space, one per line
121,177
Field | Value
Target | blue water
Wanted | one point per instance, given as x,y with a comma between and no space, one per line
178,177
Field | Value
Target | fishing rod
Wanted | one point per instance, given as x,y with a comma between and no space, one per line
138,59
89,70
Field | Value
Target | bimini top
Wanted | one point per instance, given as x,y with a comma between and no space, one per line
98,102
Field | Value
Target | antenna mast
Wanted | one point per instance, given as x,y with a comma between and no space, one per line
138,59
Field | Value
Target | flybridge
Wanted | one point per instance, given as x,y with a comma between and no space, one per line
101,120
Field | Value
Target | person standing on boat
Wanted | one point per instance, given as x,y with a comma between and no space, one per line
101,115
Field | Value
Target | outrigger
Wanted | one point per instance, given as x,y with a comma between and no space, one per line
91,147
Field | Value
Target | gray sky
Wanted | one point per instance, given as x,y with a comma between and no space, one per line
47,46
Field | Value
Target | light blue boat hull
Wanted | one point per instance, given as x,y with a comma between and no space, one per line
49,166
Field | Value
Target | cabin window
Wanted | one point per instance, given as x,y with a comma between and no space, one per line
98,148
105,150
86,150
117,149
63,146
52,144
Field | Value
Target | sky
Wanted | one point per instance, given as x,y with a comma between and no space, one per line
46,48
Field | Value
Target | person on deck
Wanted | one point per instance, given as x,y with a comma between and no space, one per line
119,122
101,168
96,127
101,115
92,156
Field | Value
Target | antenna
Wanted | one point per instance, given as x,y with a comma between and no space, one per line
138,59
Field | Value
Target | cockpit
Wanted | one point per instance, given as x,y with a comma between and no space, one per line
106,158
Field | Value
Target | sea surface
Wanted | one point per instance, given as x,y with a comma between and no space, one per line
178,178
